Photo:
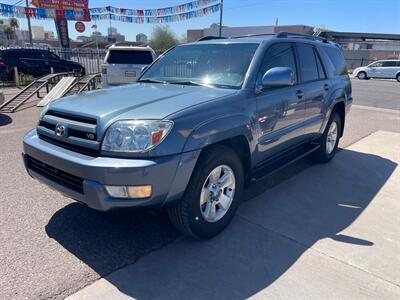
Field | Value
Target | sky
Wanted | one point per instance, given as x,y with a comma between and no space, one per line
382,16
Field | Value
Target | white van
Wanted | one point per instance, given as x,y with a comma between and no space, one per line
123,64
379,69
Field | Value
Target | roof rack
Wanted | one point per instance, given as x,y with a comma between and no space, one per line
284,34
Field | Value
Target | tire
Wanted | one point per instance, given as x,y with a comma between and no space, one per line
326,152
362,75
189,215
398,77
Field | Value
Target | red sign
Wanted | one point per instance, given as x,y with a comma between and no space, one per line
80,27
61,4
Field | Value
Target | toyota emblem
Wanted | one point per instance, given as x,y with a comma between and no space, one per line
60,130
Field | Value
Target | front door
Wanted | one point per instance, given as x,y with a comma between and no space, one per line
375,70
280,111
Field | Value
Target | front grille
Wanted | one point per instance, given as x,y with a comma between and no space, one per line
68,180
75,148
80,132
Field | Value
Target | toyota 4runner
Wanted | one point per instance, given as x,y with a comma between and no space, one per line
202,122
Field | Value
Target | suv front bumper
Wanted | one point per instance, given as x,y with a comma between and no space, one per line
83,177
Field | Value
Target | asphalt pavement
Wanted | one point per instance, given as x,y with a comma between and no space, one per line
51,246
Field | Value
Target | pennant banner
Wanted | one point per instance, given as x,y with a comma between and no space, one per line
153,12
164,19
163,15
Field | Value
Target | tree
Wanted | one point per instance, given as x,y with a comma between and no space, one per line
162,38
14,26
9,32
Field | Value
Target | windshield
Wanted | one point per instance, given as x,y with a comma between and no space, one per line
130,57
222,65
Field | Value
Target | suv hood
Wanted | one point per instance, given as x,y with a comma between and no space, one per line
137,101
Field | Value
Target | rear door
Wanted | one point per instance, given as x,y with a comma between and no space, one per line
280,111
315,84
125,66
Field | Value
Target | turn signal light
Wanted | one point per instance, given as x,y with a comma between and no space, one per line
138,192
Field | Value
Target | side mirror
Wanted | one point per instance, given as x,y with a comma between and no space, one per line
278,77
144,69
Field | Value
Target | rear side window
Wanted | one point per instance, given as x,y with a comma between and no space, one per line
336,57
321,71
278,55
389,63
308,63
129,57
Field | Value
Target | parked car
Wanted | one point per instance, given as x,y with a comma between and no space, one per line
202,122
389,69
123,64
34,62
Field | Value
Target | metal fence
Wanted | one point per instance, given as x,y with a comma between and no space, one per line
91,59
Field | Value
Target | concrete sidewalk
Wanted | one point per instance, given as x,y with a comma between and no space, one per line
330,232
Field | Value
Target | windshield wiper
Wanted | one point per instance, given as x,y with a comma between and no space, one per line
189,82
153,81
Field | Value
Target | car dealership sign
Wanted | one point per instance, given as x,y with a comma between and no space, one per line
61,4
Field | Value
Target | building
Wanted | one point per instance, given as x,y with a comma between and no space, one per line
49,35
22,35
38,33
141,38
361,48
112,31
213,30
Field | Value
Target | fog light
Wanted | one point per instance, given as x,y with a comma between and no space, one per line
141,191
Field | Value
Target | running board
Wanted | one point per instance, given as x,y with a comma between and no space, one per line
282,161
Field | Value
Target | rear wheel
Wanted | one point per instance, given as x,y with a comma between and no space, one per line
398,77
330,140
212,196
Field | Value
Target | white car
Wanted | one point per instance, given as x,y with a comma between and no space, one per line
379,69
123,64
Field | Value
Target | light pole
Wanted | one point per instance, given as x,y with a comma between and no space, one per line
220,18
29,24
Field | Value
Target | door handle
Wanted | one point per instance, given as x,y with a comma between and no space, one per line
326,87
300,94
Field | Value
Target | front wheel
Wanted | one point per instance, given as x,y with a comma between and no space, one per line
212,196
329,140
362,75
398,77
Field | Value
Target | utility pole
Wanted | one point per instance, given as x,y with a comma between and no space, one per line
29,24
220,18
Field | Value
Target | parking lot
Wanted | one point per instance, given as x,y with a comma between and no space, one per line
345,234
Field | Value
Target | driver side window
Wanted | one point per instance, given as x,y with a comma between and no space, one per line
376,65
278,55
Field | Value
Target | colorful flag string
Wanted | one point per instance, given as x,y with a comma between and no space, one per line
177,13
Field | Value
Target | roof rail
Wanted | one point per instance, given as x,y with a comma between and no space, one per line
252,35
210,37
284,34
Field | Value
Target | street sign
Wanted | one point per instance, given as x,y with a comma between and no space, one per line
80,27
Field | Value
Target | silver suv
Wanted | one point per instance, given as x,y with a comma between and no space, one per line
123,64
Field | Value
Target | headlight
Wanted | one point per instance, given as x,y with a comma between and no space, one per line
135,135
